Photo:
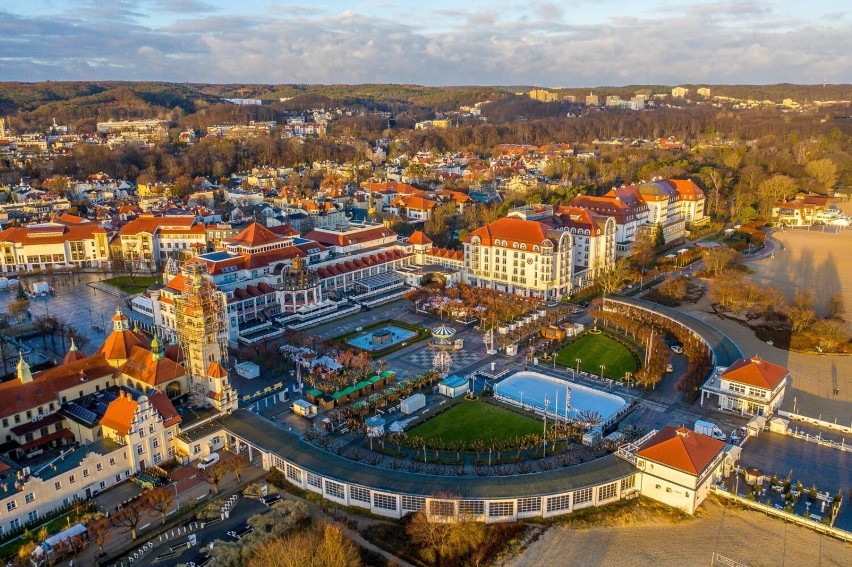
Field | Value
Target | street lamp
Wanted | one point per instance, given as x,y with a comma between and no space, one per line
177,498
602,371
578,361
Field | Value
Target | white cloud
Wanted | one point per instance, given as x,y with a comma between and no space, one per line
727,43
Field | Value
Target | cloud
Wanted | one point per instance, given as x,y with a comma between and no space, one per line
295,46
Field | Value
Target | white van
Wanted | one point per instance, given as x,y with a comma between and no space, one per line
208,461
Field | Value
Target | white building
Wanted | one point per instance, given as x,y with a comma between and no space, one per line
679,467
53,245
750,386
151,240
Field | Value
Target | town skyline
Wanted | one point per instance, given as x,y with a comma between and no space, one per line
485,43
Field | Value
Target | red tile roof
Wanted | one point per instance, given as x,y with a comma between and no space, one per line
756,372
50,234
419,238
141,366
165,408
215,370
254,235
119,413
119,344
16,397
681,449
151,224
329,238
511,229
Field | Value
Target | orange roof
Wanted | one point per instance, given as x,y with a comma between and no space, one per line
50,234
254,235
119,344
415,202
688,190
165,408
512,230
119,413
141,365
419,238
682,449
215,370
756,372
71,219
151,224
73,354
332,238
16,397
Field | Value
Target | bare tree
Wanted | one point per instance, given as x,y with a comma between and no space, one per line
100,532
613,278
213,474
160,500
718,258
128,518
237,464
831,333
824,171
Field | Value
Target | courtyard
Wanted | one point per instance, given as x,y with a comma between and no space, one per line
595,350
476,420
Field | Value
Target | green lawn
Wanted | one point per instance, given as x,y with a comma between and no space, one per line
137,285
472,420
594,350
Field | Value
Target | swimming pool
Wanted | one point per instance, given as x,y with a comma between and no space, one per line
530,389
379,339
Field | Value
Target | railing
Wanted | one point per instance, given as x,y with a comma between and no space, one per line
628,450
786,516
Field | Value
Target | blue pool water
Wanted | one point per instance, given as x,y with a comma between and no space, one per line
395,335
532,387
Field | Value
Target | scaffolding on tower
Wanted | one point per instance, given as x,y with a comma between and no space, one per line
201,328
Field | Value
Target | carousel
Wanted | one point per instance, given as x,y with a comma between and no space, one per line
443,338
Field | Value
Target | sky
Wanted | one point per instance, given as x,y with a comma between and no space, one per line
568,43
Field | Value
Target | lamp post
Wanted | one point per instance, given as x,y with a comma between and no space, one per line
602,371
544,431
177,498
578,361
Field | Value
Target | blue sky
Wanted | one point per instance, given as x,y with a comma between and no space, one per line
439,42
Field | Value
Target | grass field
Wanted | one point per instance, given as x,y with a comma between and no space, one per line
471,420
137,285
594,350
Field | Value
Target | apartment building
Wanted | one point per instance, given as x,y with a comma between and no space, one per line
53,245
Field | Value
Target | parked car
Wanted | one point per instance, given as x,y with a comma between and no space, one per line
208,461
677,349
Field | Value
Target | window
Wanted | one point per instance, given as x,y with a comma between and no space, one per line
628,482
335,489
29,497
384,501
444,508
139,449
5,422
15,524
118,478
99,467
17,419
141,432
608,491
11,505
157,458
72,479
472,507
30,414
499,509
196,449
555,503
413,503
583,495
57,485
359,494
529,505
314,480
127,473
112,460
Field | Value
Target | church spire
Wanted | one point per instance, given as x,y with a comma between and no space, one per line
23,370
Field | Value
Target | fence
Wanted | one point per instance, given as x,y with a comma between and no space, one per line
786,516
